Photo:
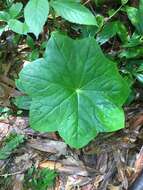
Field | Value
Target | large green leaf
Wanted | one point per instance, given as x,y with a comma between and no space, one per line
36,14
75,90
73,12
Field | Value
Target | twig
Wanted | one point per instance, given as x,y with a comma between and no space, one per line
109,18
11,174
86,2
115,12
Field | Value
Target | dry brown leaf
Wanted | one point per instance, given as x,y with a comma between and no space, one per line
120,165
136,121
139,162
55,147
97,181
88,187
113,187
138,165
4,129
18,182
76,181
67,169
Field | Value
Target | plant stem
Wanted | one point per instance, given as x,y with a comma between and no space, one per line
115,12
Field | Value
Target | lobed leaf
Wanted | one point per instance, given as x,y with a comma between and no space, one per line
75,90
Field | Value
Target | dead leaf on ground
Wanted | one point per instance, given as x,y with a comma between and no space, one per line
74,181
113,187
67,169
98,180
4,129
138,165
55,147
18,182
121,168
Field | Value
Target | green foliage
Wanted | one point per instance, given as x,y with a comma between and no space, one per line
39,179
10,17
138,72
4,16
99,2
11,13
110,30
131,53
11,144
36,14
4,112
15,10
124,2
17,26
136,16
30,42
73,12
75,90
33,55
133,41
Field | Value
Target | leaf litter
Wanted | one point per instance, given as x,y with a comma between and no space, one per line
112,161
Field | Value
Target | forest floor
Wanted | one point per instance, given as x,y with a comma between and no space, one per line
112,161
